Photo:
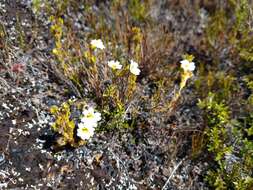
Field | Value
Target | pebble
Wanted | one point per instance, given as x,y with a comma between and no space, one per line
2,158
14,121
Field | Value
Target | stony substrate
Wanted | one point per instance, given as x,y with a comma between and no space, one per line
143,159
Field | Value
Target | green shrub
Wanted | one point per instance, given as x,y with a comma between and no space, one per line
230,143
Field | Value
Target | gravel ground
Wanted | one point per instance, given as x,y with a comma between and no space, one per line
143,159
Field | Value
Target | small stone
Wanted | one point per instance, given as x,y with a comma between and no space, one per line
2,158
14,121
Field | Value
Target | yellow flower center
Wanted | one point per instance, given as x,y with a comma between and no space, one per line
85,130
90,115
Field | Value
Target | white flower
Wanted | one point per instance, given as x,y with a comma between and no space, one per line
114,64
187,65
90,116
134,68
97,44
85,131
88,123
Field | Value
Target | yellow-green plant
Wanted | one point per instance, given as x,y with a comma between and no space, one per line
231,26
223,84
64,125
224,137
138,9
249,82
217,116
4,42
187,72
36,5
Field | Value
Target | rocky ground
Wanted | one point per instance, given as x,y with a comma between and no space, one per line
30,85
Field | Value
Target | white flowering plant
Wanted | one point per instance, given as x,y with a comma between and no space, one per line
134,68
114,64
75,131
109,71
103,66
188,66
97,44
121,72
110,67
88,124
